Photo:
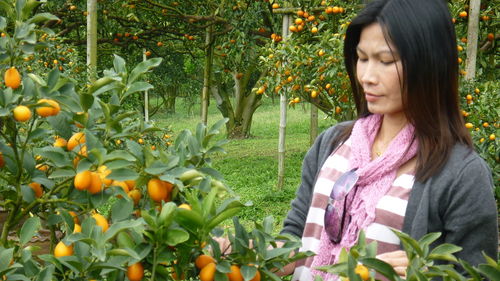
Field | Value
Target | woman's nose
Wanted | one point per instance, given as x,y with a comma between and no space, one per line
369,74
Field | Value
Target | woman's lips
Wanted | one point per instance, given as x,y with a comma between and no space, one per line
371,97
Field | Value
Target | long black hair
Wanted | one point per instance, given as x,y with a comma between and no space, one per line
424,36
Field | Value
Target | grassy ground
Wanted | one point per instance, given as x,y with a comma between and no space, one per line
250,165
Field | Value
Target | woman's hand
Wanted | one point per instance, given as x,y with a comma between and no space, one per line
397,260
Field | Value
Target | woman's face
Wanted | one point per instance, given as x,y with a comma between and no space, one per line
379,71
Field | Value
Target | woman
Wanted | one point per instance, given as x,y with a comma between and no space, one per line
409,158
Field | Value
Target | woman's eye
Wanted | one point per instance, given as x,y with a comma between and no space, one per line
387,62
363,59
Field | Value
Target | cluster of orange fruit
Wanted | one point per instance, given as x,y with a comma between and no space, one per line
63,250
22,113
276,38
207,266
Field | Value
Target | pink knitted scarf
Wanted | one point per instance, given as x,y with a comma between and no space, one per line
375,179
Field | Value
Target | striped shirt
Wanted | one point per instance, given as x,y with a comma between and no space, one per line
389,211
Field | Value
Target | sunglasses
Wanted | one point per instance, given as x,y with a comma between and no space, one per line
334,223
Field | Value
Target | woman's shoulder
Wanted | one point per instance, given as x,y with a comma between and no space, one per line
333,131
463,165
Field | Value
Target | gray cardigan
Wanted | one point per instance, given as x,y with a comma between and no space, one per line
458,201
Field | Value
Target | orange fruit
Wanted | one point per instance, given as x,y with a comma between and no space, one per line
135,272
51,110
95,184
207,273
83,180
60,142
77,228
159,44
75,217
103,172
256,277
491,36
61,250
121,184
293,28
203,260
276,6
157,190
12,78
75,140
135,194
492,137
235,274
298,21
37,188
130,184
314,94
314,30
22,113
462,14
469,125
362,271
101,221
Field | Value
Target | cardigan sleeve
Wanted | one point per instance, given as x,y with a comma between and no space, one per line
471,217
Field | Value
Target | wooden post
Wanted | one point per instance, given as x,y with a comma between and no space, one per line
283,109
207,73
313,131
92,40
472,37
146,96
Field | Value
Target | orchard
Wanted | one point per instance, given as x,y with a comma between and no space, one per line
89,190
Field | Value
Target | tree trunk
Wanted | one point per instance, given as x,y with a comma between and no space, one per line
207,73
472,37
92,39
170,100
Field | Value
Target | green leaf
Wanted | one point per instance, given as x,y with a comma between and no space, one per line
444,252
189,219
37,79
120,226
46,273
123,174
30,227
276,252
121,209
471,270
248,272
156,168
176,236
41,18
5,258
220,217
119,64
489,271
167,214
408,242
86,100
380,266
124,240
137,87
142,68
214,130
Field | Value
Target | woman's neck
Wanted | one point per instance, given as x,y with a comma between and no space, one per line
389,129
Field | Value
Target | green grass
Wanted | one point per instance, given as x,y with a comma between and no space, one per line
250,166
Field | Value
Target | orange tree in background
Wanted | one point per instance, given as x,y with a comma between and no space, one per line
68,150
177,31
308,67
